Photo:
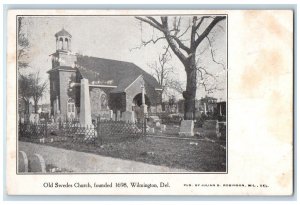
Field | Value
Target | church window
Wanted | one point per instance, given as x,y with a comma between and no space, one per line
71,108
103,101
60,45
66,44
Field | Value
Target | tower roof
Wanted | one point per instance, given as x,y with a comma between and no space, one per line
63,32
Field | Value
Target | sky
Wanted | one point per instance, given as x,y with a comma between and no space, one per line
115,37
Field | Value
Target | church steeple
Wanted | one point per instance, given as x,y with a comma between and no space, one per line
63,55
63,40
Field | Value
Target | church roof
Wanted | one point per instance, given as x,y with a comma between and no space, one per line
63,32
112,72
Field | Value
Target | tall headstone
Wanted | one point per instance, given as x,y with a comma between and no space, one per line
163,128
111,114
118,115
143,106
37,163
85,105
22,162
57,105
186,128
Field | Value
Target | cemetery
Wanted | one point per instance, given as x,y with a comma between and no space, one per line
158,138
148,141
115,109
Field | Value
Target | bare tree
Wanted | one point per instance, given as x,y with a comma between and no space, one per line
23,45
162,69
24,90
185,49
38,89
210,82
176,85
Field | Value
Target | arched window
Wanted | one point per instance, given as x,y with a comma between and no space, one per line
66,44
103,102
60,44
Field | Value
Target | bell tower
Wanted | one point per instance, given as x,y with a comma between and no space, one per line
63,55
63,41
63,70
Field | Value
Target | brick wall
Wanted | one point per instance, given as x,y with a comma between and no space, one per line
54,88
65,59
64,79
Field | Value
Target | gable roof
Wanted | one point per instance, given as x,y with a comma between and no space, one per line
106,71
63,32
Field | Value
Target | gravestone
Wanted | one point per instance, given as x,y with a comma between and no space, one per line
118,115
186,128
151,130
163,128
34,118
106,114
85,104
111,114
157,124
153,120
128,116
37,164
22,162
221,129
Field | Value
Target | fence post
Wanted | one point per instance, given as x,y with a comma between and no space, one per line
145,126
46,129
99,130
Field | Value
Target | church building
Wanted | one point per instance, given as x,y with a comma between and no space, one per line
113,86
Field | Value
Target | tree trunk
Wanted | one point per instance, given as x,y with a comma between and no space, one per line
26,103
26,111
35,107
189,94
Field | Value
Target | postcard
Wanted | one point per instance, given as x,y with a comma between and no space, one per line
150,102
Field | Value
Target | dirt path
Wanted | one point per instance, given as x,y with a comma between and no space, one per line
80,162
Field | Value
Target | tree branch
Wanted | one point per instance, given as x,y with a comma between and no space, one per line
208,29
212,53
201,21
154,20
145,43
164,28
181,45
150,22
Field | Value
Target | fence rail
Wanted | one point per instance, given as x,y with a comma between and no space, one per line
101,130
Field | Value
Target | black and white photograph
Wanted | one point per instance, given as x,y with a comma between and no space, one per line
150,102
122,94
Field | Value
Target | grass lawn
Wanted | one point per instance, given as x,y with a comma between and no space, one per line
204,153
192,155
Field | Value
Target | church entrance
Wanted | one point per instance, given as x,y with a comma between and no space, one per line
137,100
136,105
71,109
